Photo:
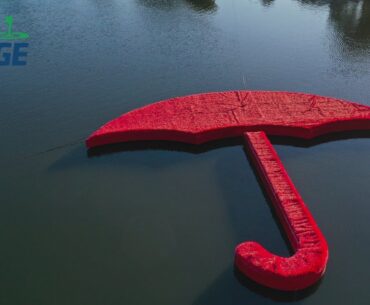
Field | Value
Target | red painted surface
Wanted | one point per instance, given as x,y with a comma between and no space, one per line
308,263
200,118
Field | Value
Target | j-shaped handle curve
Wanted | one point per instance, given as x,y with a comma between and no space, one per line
308,263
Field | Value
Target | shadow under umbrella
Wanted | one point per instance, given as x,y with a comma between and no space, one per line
332,137
163,145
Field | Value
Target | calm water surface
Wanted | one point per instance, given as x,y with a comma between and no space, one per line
158,226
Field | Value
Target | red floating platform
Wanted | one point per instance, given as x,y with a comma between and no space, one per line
253,114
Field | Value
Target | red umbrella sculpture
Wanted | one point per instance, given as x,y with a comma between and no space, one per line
254,115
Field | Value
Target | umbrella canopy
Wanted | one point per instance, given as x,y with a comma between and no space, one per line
200,118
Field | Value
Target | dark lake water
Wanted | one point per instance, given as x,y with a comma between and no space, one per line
159,226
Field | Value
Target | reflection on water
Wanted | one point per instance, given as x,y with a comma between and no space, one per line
203,5
349,18
351,21
267,2
197,5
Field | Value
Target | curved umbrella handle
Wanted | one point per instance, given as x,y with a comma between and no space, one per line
308,263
